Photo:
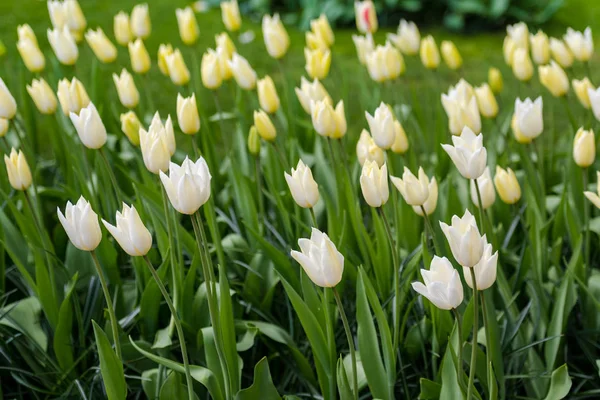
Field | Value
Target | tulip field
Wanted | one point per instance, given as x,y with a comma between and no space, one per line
199,202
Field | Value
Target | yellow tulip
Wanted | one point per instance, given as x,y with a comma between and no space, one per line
178,72
223,41
495,80
122,28
522,66
581,87
276,37
264,126
540,47
140,21
210,70
164,50
130,125
488,106
187,114
42,95
102,47
560,53
451,55
267,95
140,59
430,56
230,12
317,63
254,141
507,185
188,27
554,78
19,174
128,93
584,148
321,27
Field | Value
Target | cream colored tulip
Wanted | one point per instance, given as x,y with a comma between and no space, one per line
415,191
210,70
400,145
311,92
529,117
385,63
407,39
8,105
72,96
317,63
102,47
230,13
507,185
32,56
451,55
224,58
488,106
26,34
75,18
157,144
367,150
64,46
468,154
430,56
374,184
581,44
593,197
381,125
3,127
486,189
466,243
327,121
321,28
517,132
188,185
522,66
303,187
560,53
508,50
140,21
495,80
164,51
366,16
187,114
485,270
140,59
519,34
187,24
584,148
594,96
222,40
19,174
315,41
178,71
81,224
431,203
89,127
540,48
130,126
42,95
581,87
122,29
460,104
242,71
128,93
554,78
58,13
129,231
267,95
364,46
264,126
277,40
442,287
320,259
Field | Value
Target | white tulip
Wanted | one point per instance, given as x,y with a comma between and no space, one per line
157,144
188,185
466,243
461,108
594,197
374,184
140,21
8,105
130,232
594,96
128,93
19,174
381,125
63,44
414,190
519,33
72,96
81,224
580,44
468,153
486,189
277,40
364,46
529,117
431,203
89,127
58,13
367,149
485,269
311,92
242,71
303,187
320,259
442,284
408,38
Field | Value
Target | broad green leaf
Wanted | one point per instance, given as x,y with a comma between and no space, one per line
172,388
262,386
111,367
63,345
343,381
429,390
227,329
24,317
560,383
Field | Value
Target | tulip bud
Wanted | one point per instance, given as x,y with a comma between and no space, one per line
327,121
400,145
63,45
468,153
385,63
430,56
381,125
187,114
451,55
320,259
364,46
223,41
19,174
58,13
517,132
8,105
102,47
317,63
72,96
486,189
81,224
554,78
75,18
223,59
508,50
32,56
43,96
188,185
140,59
254,141
140,21
311,92
580,44
540,47
485,269
522,66
230,12
407,39
3,127
593,197
374,184
188,27
584,148
303,187
89,127
488,106
414,190
528,114
461,107
26,34
519,34
431,203
157,144
178,71
267,95
130,125
495,80
442,284
581,87
314,41
366,16
466,243
367,150
593,95
276,37
321,28
131,234
210,71
507,185
128,93
264,126
560,53
164,51
243,73
122,29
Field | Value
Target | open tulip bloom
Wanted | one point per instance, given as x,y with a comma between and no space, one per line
442,285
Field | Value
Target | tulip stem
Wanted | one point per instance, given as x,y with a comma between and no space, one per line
586,218
290,126
172,259
314,217
113,178
388,231
259,190
460,346
184,354
430,229
350,340
474,339
486,330
111,311
480,205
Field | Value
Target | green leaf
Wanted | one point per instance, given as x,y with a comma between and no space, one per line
262,387
430,390
343,382
450,388
63,346
172,388
149,382
227,328
24,317
111,367
560,383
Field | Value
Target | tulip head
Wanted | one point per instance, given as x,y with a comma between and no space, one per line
130,125
430,56
540,48
26,34
560,53
43,96
318,62
164,51
321,28
495,80
468,154
81,224
584,148
485,269
72,96
32,56
364,46
581,87
63,44
519,34
367,150
366,16
188,27
466,243
311,92
277,40
554,78
594,96
407,39
230,12
486,189
121,28
243,73
157,144
75,18
488,106
303,187
187,114
414,190
381,125
385,63
267,95
264,126
593,197
451,55
19,174
140,21
529,117
89,126
430,205
400,145
222,40
188,185
581,44
507,185
102,47
253,141
442,285
178,71
374,184
508,50
522,66
131,234
320,259
327,121
8,105
460,104
128,93
57,11
210,70
140,59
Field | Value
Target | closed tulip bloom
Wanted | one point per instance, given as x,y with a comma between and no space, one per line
264,126
8,105
63,45
442,287
507,185
178,71
488,106
466,243
188,27
554,78
508,50
164,51
593,197
385,63
267,95
311,92
366,16
593,95
461,108
486,189
451,55
580,44
230,13
303,187
140,59
367,150
72,96
188,185
277,40
58,13
468,154
327,121
381,125
374,184
364,45
560,53
26,34
3,127
81,224
102,47
128,93
317,63
89,127
210,70
584,148
75,18
243,73
130,125
495,80
130,232
517,132
522,66
431,203
224,58
519,34
430,56
485,269
407,39
122,29
400,145
321,28
222,40
315,41
581,87
540,47
253,141
530,119
32,56
157,144
140,21
414,190
42,95
187,114
19,174
320,259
